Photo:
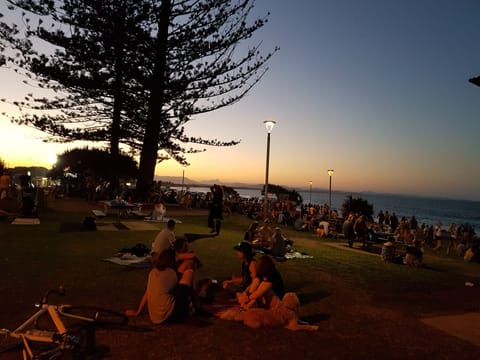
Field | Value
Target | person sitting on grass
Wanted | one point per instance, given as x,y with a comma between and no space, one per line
279,244
249,271
159,211
251,232
389,253
264,236
266,289
165,239
168,299
414,254
186,259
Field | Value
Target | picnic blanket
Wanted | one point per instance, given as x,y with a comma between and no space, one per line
136,256
163,220
130,260
26,221
297,255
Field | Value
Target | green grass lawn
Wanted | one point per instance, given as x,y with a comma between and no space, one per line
41,257
37,258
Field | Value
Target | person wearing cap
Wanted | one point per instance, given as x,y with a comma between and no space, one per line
249,272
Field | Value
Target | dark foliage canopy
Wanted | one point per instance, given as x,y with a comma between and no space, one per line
358,206
284,193
94,162
100,64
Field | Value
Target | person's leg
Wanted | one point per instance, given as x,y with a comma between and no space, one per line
183,298
218,224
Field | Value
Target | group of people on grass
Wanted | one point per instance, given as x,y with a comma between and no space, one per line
456,240
172,293
268,239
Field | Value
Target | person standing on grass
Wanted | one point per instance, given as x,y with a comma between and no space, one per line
168,299
215,215
347,229
165,239
437,233
452,238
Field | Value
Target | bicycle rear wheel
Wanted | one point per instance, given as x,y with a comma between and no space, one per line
100,316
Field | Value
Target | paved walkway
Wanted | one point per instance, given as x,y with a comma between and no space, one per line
464,326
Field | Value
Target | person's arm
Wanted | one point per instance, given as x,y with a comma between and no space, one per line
261,290
253,269
137,312
234,280
243,297
186,256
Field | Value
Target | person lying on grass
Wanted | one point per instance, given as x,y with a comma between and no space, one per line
167,298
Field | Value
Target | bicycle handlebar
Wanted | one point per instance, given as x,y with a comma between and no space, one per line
60,291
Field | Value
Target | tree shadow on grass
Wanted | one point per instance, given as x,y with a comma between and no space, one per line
316,318
194,237
307,298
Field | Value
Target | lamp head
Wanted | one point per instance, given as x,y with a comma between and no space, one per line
475,80
269,124
330,172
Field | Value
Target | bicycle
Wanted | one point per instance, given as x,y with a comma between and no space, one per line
69,331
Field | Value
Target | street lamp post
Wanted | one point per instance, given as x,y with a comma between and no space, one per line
330,174
269,124
183,179
310,191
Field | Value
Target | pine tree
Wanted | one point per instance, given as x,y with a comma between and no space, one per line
140,69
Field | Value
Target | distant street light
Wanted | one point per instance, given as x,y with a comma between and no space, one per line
330,174
310,192
269,124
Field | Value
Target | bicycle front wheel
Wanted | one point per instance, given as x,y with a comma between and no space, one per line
99,316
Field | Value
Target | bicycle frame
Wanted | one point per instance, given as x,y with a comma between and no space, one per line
59,336
64,336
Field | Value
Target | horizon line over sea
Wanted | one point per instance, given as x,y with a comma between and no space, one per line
428,210
176,181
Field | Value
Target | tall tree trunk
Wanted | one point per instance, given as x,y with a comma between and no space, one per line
149,154
117,97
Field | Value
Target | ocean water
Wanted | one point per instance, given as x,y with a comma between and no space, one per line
426,210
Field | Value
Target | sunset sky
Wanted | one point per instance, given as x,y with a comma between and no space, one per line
375,89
